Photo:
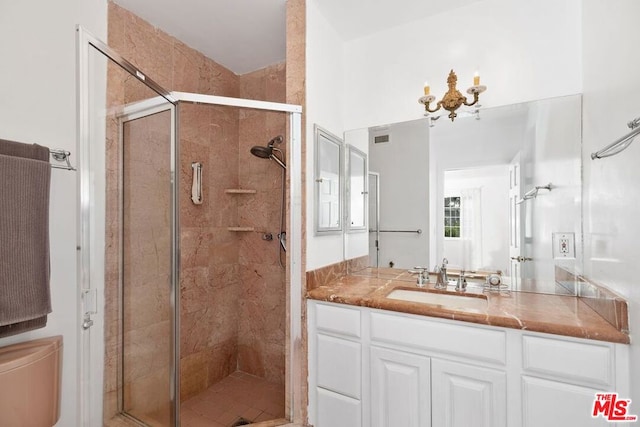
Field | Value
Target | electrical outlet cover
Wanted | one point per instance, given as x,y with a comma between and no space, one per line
564,245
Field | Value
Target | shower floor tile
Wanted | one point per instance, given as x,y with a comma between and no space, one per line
237,396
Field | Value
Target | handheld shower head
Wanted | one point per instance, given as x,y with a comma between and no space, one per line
267,152
262,152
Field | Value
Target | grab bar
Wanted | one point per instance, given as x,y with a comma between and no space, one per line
620,144
418,231
196,186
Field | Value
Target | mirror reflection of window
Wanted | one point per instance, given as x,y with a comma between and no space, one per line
452,217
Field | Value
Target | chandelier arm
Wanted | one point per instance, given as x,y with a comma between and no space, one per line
476,97
438,106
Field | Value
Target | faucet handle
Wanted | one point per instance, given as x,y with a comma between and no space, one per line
423,275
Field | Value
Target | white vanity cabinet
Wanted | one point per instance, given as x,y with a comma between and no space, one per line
378,368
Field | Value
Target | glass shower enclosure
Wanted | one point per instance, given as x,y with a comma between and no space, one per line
129,249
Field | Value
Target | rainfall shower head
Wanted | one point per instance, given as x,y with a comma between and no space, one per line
267,152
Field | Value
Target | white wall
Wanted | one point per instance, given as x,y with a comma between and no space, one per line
403,165
612,186
324,102
37,89
523,49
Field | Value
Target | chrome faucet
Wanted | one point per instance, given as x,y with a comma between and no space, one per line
441,281
461,285
443,269
423,276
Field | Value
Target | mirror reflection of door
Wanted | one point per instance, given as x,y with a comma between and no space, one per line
329,177
374,222
356,192
329,181
515,234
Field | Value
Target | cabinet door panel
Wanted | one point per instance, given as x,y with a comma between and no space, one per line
555,404
400,389
468,396
336,410
339,365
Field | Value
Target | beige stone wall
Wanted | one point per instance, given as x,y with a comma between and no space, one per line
262,321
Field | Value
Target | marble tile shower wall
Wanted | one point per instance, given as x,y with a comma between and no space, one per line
262,321
232,288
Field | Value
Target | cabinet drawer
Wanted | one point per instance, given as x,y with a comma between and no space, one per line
583,363
336,410
467,341
555,404
339,365
341,320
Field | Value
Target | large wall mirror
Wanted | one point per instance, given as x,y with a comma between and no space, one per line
496,190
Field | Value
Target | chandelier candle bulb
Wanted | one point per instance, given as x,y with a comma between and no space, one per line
476,78
427,89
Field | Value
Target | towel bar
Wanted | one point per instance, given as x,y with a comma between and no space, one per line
61,156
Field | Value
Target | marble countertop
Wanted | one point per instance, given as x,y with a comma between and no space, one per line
553,314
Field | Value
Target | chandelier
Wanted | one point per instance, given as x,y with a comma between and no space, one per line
453,99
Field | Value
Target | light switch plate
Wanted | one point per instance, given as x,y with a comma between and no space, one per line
564,245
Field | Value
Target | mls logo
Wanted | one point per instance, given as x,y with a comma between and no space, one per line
611,408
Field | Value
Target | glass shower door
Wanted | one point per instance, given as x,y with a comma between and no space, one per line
146,291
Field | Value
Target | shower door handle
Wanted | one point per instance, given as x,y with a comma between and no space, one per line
89,299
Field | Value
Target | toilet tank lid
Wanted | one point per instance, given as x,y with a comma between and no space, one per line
17,355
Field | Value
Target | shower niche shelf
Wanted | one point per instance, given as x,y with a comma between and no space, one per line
239,191
241,229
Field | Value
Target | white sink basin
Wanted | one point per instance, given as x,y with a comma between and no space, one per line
449,301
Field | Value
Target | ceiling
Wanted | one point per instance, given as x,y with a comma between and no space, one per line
246,35
358,18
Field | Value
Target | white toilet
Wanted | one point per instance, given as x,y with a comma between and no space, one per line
30,383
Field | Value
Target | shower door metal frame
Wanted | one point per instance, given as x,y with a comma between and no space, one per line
91,224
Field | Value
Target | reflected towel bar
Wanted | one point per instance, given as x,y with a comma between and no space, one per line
418,231
620,144
533,193
61,156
